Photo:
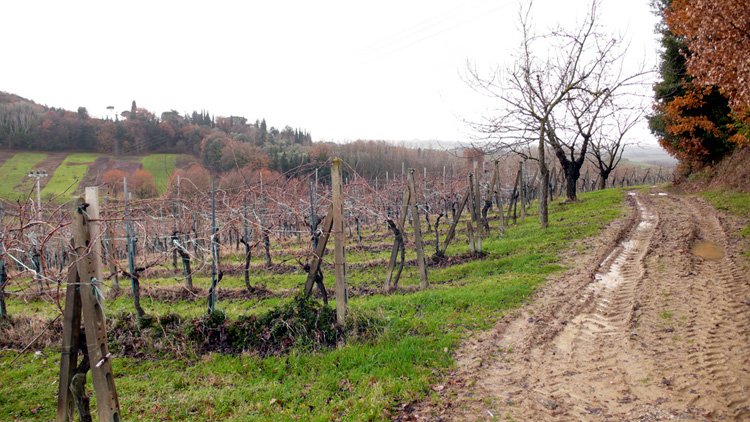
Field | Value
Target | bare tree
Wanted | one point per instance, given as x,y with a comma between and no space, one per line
603,96
609,144
535,87
552,96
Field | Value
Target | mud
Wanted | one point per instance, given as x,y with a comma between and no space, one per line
658,330
707,250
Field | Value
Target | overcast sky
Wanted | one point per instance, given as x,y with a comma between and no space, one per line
343,70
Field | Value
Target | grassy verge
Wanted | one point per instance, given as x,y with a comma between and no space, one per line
68,175
362,380
737,203
161,167
14,171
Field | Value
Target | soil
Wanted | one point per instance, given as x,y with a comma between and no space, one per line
651,323
102,164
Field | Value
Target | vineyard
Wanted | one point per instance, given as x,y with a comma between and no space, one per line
239,282
480,228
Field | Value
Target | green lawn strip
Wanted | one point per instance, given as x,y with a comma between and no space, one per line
124,303
734,202
14,171
361,380
161,167
64,181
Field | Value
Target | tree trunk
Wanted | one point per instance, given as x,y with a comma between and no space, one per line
603,176
398,246
572,174
3,278
544,191
267,247
246,270
437,235
137,296
485,209
187,271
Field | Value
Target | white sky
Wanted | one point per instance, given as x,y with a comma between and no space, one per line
343,70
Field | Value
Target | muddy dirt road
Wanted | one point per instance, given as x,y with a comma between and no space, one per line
652,324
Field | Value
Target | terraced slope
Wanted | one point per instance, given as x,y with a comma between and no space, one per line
64,181
13,172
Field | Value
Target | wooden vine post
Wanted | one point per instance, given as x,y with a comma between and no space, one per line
110,254
246,240
522,189
417,232
477,200
3,273
512,204
498,197
474,236
212,293
339,258
83,295
91,195
131,245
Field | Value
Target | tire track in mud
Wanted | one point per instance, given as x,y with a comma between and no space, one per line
721,336
654,333
575,386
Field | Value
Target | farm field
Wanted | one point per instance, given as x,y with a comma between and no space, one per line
64,181
161,167
403,346
14,171
68,170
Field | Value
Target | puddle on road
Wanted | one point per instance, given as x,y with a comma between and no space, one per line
707,250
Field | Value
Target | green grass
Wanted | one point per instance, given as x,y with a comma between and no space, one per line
358,381
14,172
737,203
67,176
161,167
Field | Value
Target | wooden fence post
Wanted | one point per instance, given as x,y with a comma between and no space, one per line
339,258
470,235
89,291
70,343
417,232
95,231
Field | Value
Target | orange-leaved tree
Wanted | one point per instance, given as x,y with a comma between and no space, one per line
113,180
717,36
143,184
692,121
717,33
